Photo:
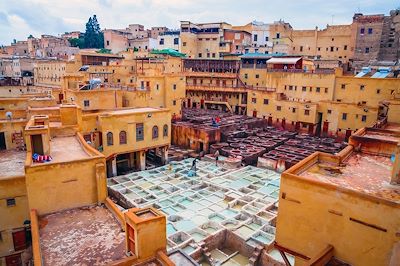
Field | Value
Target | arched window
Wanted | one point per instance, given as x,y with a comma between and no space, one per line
110,139
155,132
165,131
122,137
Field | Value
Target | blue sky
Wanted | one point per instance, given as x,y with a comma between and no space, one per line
19,18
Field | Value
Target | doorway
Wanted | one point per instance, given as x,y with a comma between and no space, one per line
19,240
14,260
37,144
2,141
319,125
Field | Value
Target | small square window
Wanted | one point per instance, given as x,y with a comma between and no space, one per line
253,100
362,31
344,116
279,108
362,87
10,202
378,91
174,87
343,86
329,111
257,76
304,88
318,89
246,75
364,118
306,112
326,90
369,30
266,101
86,103
174,102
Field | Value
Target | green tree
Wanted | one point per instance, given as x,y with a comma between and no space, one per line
93,37
77,42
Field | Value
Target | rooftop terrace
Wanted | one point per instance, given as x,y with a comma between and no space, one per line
361,172
84,236
12,163
66,149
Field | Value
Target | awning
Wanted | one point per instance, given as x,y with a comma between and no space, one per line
284,60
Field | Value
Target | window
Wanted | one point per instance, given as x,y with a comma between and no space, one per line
332,48
362,87
304,88
108,42
369,30
293,110
110,139
165,131
266,101
122,137
290,87
139,132
278,35
362,31
329,111
318,89
157,86
176,41
343,86
279,108
174,102
184,44
199,55
174,87
257,76
162,41
326,90
306,112
364,118
301,48
378,91
208,55
266,39
213,55
319,48
86,103
345,47
366,50
10,202
255,37
155,132
344,116
254,100
246,75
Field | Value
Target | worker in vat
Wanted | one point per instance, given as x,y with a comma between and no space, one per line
194,166
216,155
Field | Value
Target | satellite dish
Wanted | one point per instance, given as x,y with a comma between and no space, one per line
9,115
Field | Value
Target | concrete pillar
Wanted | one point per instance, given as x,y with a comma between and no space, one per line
396,167
142,160
164,155
114,166
132,160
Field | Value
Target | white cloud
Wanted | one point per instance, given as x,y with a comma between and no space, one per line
19,18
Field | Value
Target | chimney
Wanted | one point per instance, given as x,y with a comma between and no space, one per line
395,180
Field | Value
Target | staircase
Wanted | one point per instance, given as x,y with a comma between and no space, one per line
206,253
256,254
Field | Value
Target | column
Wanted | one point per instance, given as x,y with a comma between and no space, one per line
114,166
142,160
164,155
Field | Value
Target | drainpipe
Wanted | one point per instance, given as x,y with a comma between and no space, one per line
395,180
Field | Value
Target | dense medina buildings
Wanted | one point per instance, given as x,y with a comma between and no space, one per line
96,150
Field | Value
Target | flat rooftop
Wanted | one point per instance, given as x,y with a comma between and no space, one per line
65,149
12,163
83,236
361,172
